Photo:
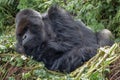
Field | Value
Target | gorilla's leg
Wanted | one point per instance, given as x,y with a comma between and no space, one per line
105,37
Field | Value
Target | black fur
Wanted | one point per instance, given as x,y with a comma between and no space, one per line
59,41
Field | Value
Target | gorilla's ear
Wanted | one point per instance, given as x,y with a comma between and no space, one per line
56,12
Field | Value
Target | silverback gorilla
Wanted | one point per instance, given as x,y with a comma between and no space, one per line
56,39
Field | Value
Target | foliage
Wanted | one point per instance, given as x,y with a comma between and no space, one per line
8,11
97,14
7,41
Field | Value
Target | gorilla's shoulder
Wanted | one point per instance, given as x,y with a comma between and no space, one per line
56,12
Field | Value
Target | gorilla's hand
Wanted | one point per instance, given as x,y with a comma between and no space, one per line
68,62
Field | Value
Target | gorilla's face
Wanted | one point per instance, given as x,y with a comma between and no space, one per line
29,31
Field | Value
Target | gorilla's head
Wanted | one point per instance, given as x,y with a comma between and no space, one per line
30,32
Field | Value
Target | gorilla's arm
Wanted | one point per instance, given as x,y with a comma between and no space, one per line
65,28
60,46
73,59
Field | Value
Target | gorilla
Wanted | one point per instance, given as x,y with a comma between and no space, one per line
55,38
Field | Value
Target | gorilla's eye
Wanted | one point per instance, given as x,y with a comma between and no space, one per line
25,29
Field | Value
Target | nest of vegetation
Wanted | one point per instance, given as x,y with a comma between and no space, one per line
114,70
103,66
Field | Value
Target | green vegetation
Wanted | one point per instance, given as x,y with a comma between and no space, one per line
97,14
